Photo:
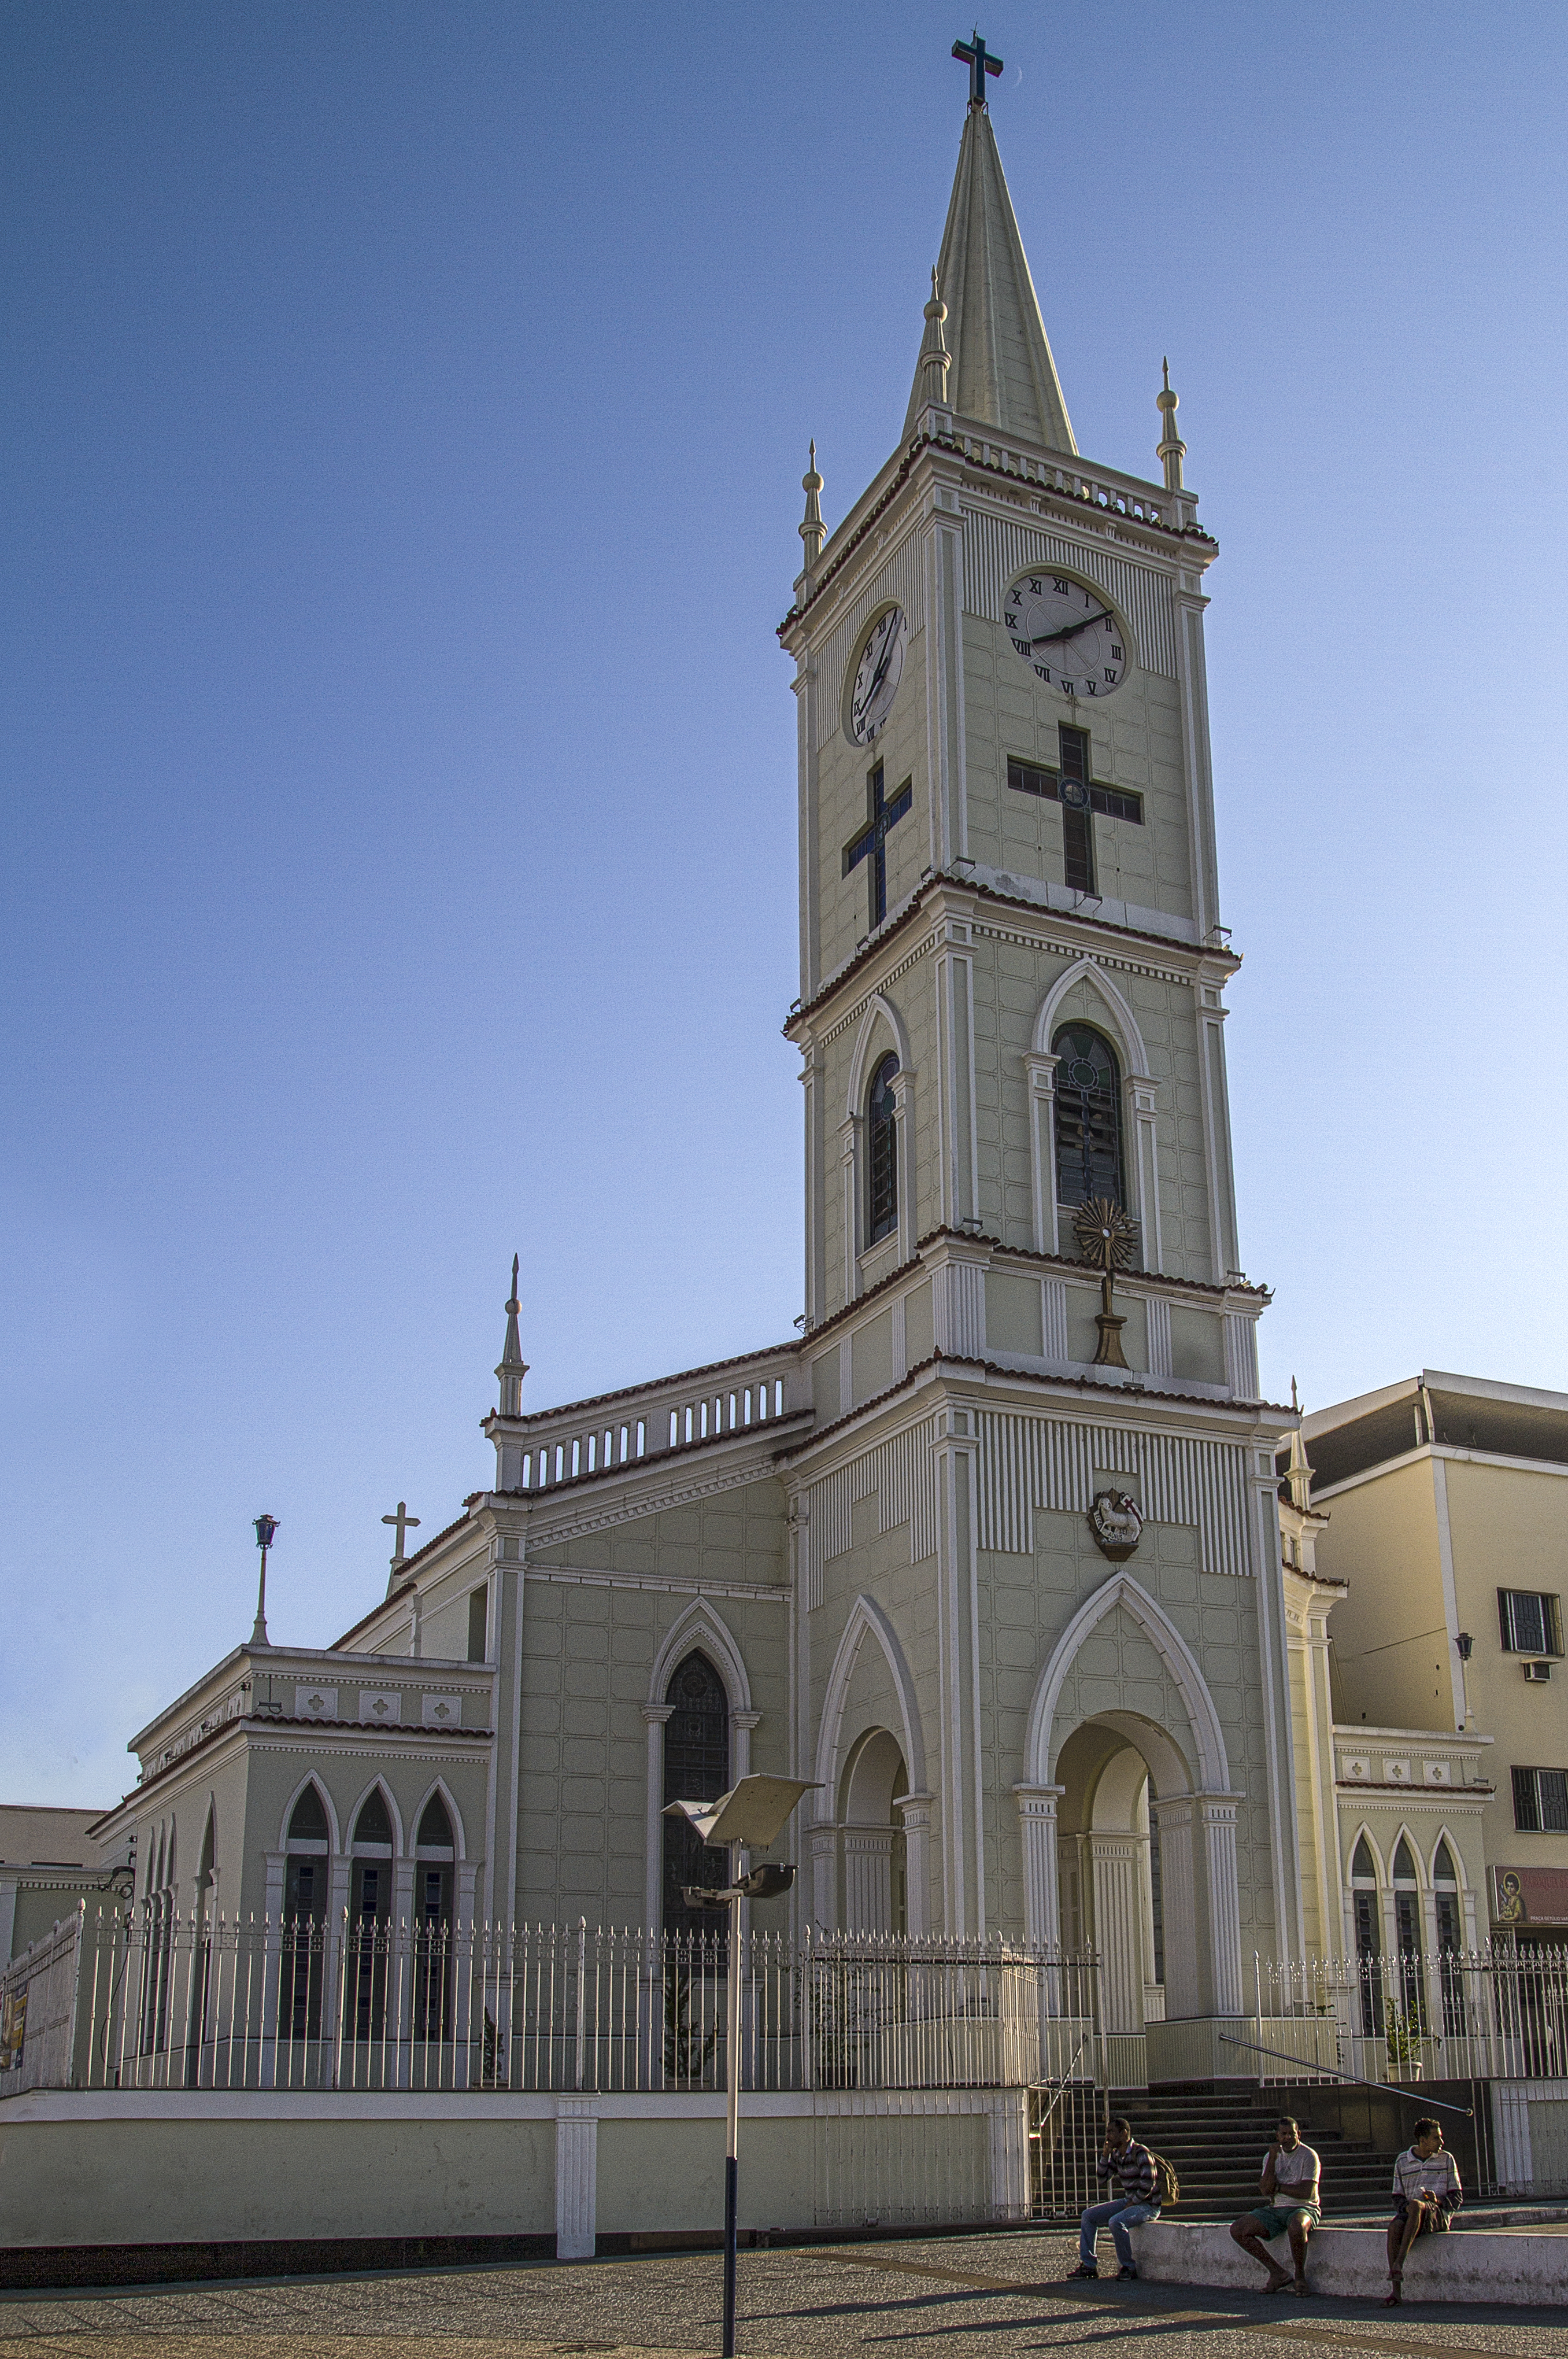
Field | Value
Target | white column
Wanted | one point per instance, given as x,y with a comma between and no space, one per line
1224,1902
1146,1165
903,1159
1042,1073
1118,1870
915,1811
1042,1897
1158,1313
849,1174
655,1715
823,1842
576,2178
868,1879
1175,1819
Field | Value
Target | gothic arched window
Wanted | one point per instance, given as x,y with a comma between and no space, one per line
696,1769
1089,1116
881,1154
1368,1942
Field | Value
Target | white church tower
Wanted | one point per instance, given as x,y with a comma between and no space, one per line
1011,1008
992,1550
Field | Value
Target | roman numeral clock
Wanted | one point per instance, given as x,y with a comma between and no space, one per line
1067,632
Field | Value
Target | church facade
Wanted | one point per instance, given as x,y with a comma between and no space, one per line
991,1550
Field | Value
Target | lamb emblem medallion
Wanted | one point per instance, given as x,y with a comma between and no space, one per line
1116,1523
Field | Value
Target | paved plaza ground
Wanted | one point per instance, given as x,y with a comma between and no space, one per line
940,2298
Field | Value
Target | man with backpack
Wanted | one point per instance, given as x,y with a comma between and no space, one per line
1137,2172
1291,2207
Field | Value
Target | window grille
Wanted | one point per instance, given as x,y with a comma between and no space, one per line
1088,1117
1532,1622
1541,1801
696,1769
881,1154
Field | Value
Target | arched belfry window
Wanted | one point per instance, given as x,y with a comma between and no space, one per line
881,1154
1089,1116
696,1769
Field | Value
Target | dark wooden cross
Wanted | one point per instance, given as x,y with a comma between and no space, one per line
871,844
980,62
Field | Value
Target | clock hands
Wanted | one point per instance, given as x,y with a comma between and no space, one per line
880,672
1072,629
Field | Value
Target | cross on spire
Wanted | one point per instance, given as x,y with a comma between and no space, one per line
871,844
405,1523
977,57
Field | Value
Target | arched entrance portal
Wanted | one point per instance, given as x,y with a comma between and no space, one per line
1110,1867
874,1888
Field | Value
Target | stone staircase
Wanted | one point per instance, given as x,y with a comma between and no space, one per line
1215,2140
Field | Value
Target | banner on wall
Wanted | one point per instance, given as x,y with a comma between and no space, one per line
1529,1895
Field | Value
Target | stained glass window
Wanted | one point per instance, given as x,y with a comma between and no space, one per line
1088,1117
696,1769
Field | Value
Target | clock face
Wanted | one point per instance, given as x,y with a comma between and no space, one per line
877,677
1067,632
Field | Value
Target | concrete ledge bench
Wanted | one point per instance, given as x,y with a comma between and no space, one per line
1511,2265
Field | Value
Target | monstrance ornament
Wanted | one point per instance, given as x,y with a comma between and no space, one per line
1108,1238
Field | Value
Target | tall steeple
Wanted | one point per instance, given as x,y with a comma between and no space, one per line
1001,371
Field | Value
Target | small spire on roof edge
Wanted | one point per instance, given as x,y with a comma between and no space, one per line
1298,1474
1172,449
935,358
513,1367
812,532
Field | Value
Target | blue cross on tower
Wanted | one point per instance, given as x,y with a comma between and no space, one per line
871,844
979,61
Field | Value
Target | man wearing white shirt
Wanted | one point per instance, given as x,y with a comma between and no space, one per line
1427,2193
1290,2207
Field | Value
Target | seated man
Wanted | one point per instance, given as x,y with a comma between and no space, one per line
1132,2168
1290,2207
1427,2193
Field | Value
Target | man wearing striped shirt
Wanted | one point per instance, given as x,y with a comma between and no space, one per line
1132,2166
1427,2193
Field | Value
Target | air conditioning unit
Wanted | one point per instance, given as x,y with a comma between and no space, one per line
1538,1670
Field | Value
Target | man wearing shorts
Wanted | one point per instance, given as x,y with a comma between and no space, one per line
1427,2193
1290,2207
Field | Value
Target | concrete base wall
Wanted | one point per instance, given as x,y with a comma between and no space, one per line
199,2168
1466,2264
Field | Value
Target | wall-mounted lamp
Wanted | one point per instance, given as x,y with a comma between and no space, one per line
1464,1641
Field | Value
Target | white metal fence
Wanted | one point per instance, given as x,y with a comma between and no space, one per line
146,2000
1500,2014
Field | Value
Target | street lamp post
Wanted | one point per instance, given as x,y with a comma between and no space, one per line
750,1816
266,1532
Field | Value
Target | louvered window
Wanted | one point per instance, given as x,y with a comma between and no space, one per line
881,1154
1088,1117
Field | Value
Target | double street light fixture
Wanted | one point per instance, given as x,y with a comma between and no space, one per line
749,1817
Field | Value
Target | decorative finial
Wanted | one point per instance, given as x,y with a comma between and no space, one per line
1295,1402
1298,1474
935,357
1106,1237
513,1367
1172,449
814,532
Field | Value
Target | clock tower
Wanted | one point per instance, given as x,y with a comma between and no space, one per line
1013,979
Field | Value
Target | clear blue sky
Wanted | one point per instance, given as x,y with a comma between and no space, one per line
404,412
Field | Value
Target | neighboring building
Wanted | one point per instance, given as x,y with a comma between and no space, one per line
1443,1507
48,1864
993,1557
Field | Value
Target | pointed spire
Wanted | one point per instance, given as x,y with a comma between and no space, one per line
1298,1474
1172,449
813,531
935,358
513,1368
1001,373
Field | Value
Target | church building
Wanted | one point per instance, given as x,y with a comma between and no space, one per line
990,1549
